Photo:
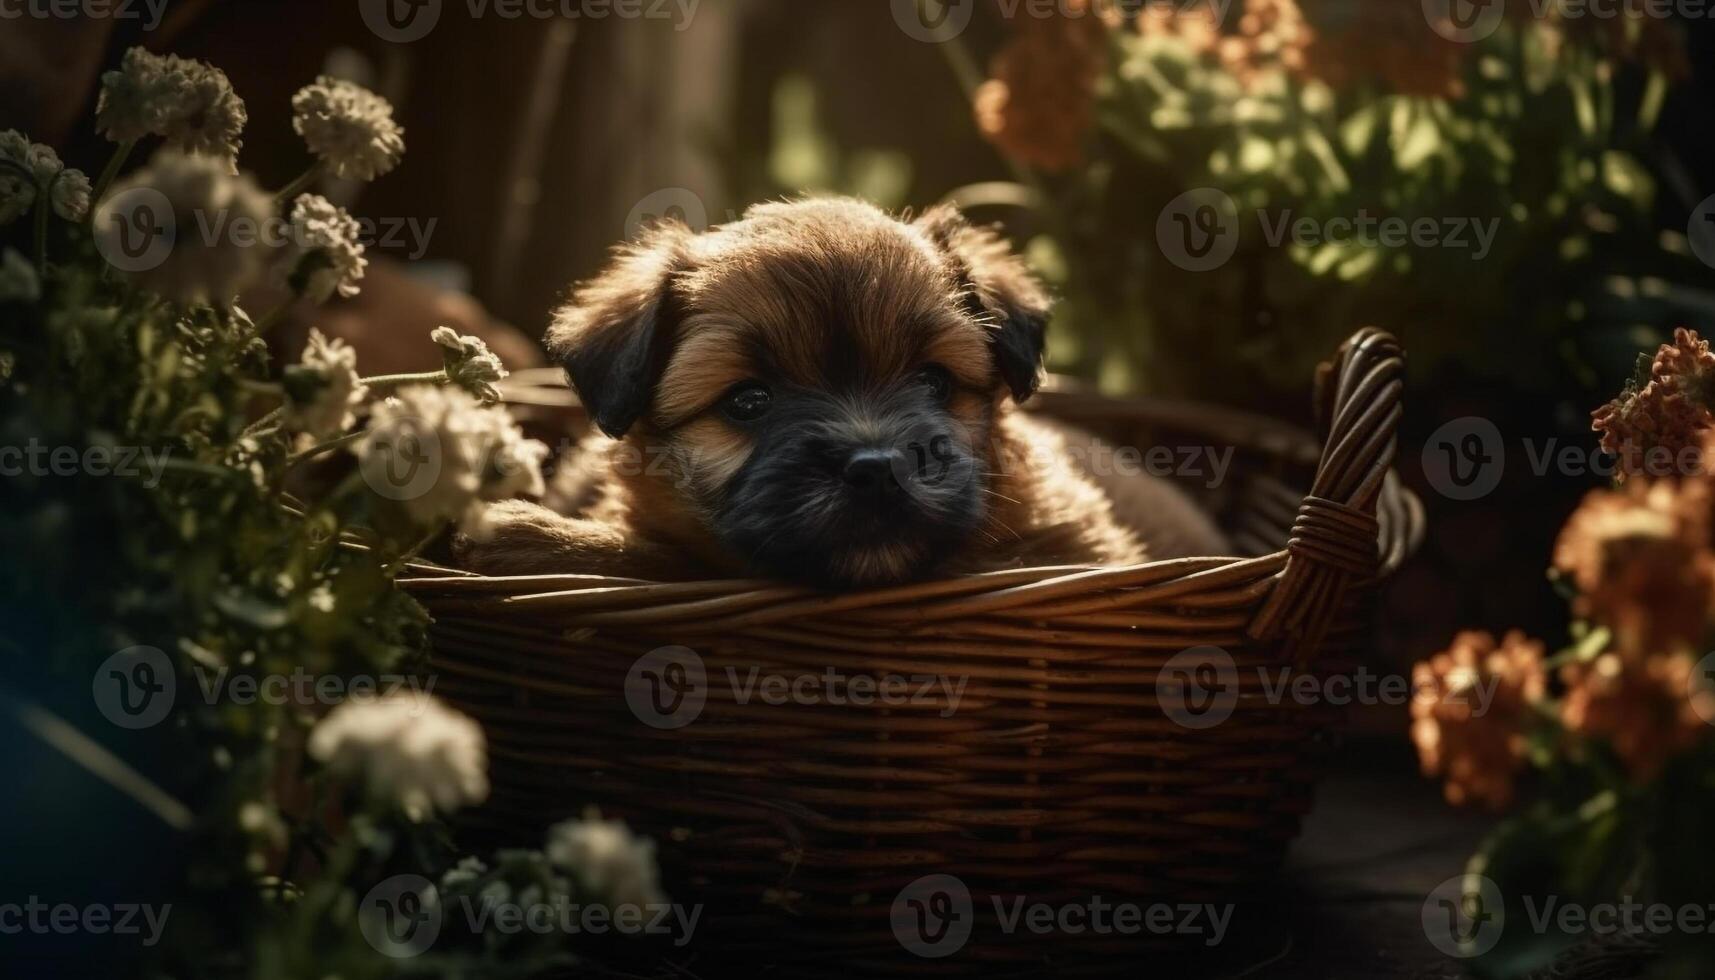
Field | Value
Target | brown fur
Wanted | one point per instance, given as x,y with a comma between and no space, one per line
827,296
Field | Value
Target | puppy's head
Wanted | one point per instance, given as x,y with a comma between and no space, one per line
820,380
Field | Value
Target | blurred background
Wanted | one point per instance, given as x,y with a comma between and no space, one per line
1562,161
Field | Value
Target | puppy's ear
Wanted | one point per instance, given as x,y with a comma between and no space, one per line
616,334
1000,290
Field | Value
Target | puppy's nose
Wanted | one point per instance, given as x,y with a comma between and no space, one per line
873,472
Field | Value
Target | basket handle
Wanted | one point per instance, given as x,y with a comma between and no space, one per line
1336,538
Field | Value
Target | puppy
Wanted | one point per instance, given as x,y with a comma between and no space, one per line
819,393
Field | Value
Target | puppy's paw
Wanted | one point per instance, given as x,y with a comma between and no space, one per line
523,538
517,537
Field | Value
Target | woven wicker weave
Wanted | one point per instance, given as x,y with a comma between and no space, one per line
1060,775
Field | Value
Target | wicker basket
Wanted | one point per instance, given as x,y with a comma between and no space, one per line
1061,773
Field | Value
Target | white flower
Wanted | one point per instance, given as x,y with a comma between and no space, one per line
469,363
27,170
323,388
349,127
514,468
209,117
43,162
514,462
18,282
426,435
190,103
466,872
135,98
608,859
472,453
203,264
17,180
326,254
409,749
70,194
14,146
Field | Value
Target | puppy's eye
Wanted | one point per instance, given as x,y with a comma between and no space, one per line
938,380
746,402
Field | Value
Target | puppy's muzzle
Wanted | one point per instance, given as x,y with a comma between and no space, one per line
873,476
843,498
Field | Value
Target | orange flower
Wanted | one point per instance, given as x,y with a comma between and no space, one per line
1196,27
1387,41
1641,561
1669,415
1039,103
1341,42
1644,423
1468,710
1270,35
1648,709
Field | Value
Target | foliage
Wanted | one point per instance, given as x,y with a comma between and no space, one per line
172,489
1618,730
1537,135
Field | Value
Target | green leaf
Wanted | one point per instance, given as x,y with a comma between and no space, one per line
1626,177
1359,129
1414,135
1583,105
1256,155
252,610
1543,860
1360,263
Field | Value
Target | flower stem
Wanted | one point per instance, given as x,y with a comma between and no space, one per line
272,318
263,422
390,380
322,449
44,207
392,567
109,172
300,184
